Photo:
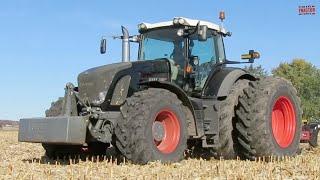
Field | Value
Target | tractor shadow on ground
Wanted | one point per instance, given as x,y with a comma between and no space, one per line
189,154
206,154
111,156
194,151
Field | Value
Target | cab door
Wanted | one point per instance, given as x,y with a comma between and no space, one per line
208,53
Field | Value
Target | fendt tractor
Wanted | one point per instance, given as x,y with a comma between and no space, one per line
180,94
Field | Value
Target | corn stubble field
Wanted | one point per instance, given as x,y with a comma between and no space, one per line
26,161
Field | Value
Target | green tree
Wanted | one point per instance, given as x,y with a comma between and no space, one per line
305,78
256,70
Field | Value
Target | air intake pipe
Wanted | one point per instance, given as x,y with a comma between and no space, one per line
125,45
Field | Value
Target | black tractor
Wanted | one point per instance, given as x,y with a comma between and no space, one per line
180,94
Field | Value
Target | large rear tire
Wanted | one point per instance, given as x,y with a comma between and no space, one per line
269,119
56,108
227,120
153,127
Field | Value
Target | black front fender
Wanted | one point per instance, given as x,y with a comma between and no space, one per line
173,88
192,128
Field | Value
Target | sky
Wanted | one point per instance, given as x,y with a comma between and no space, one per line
44,43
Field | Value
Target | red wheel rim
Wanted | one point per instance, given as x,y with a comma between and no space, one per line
168,141
283,121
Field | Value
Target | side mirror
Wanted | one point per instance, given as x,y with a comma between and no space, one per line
251,56
202,33
103,46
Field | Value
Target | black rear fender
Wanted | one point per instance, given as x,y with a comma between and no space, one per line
221,80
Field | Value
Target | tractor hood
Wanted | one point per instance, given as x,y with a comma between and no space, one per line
93,84
97,85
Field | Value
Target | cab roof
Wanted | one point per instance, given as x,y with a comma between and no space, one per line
182,21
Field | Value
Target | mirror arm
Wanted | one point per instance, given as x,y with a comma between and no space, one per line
196,29
188,34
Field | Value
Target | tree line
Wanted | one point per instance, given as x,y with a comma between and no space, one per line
305,77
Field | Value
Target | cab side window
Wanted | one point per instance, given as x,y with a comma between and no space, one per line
205,50
220,49
206,53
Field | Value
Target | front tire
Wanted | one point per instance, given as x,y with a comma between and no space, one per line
269,119
152,127
56,108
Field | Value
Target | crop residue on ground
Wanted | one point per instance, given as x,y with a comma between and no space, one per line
26,161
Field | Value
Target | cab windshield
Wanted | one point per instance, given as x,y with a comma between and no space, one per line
162,43
165,43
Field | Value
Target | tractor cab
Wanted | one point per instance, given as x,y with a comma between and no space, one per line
192,48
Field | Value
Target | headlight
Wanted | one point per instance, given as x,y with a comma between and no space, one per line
175,21
181,21
102,96
180,32
142,26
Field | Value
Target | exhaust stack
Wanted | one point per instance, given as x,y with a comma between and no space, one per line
125,45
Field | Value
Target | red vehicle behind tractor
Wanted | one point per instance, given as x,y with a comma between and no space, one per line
310,133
